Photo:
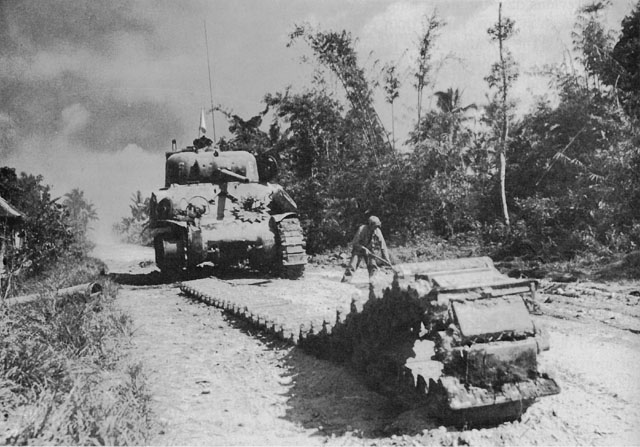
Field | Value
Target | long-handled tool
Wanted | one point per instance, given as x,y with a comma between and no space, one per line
370,253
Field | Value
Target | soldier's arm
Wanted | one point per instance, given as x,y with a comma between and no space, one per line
383,245
357,239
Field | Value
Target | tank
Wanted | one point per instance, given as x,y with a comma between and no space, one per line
220,207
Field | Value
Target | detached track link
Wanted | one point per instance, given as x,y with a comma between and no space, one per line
291,242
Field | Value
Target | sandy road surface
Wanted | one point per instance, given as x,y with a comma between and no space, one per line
215,381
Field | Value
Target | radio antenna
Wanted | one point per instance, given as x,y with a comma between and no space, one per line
213,121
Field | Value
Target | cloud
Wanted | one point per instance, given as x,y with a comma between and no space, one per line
87,97
74,118
43,25
395,29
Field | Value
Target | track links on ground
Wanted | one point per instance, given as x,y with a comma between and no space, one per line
354,331
287,320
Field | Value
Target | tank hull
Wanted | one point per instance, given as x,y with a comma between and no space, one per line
226,224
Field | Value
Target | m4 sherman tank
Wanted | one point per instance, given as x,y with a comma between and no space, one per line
220,207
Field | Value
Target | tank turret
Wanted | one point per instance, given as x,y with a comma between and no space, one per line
197,166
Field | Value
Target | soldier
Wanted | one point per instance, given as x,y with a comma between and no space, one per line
367,239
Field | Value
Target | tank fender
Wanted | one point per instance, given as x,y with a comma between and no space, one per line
277,218
176,223
169,226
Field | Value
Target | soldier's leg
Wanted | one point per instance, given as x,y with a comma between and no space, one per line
351,267
372,267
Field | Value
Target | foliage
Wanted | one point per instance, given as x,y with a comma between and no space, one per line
63,379
572,183
593,44
335,50
626,55
52,229
499,111
132,229
247,135
430,29
573,173
391,86
80,215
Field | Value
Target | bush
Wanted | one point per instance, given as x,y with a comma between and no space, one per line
63,376
53,230
133,229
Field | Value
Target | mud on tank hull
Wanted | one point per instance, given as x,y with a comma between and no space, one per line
227,224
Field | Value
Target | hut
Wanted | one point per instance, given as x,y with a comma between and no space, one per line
11,233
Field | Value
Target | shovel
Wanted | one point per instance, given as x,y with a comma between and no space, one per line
378,258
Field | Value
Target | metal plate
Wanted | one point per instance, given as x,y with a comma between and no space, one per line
493,316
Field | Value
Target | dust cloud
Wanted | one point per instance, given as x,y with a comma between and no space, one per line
92,93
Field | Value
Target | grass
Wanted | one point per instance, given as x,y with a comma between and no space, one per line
65,378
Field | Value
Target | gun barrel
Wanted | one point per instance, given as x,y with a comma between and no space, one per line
230,173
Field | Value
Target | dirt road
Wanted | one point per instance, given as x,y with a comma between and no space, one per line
215,381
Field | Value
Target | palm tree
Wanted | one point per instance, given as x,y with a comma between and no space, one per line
81,211
139,207
449,104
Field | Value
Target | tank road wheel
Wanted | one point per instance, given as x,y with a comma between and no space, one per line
170,253
291,248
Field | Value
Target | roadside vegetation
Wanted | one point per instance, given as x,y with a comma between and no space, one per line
555,184
65,378
133,228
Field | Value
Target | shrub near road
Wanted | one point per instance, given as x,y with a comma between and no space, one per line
63,376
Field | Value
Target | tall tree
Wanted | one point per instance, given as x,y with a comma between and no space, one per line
593,44
450,104
81,214
431,27
335,50
391,86
501,78
626,53
132,229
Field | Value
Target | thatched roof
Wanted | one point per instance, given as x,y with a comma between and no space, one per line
9,212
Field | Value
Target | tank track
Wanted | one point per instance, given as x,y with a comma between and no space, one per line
286,320
291,246
380,337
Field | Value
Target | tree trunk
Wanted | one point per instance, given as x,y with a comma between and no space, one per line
505,125
393,128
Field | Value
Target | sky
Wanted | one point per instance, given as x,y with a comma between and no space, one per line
93,92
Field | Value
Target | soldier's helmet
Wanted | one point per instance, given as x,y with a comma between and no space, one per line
374,222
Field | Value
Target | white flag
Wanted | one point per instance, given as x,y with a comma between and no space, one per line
203,124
